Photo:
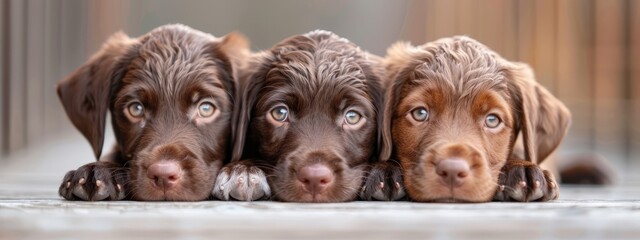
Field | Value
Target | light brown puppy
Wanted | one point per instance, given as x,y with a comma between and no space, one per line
468,125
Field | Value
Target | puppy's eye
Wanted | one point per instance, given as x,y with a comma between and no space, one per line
492,121
206,109
136,109
352,117
280,113
420,114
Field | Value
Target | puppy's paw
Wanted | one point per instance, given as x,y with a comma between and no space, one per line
241,181
524,181
94,182
384,182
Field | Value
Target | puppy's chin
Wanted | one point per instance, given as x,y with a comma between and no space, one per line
178,193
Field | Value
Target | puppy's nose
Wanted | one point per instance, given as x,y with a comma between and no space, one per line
165,174
316,178
453,171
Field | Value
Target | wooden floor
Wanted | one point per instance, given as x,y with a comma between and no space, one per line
31,209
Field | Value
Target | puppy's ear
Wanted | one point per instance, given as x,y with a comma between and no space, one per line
251,81
541,118
233,50
86,92
396,64
235,47
374,69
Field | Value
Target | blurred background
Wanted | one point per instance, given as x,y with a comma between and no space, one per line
586,52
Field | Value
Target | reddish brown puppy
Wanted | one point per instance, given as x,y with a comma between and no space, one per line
171,95
310,114
467,123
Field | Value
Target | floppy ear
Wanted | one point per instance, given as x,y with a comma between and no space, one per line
86,92
399,57
233,50
235,47
374,70
542,118
251,81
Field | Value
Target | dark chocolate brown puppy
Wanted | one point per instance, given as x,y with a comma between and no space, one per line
310,114
467,124
171,97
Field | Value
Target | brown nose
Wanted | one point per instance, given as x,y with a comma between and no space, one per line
453,171
164,174
316,178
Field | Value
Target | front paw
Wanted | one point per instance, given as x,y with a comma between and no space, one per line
384,182
241,181
524,181
94,182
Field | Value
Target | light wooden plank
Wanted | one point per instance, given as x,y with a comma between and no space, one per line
526,33
545,41
441,19
634,82
574,69
3,79
608,88
53,112
17,98
34,70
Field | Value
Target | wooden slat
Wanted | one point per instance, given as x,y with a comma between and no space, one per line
34,71
17,93
633,63
545,51
4,80
53,112
441,19
526,34
608,84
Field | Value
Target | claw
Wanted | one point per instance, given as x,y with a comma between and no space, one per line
221,187
364,188
552,185
501,188
99,184
119,187
68,184
81,181
397,185
522,184
536,184
381,185
253,180
240,180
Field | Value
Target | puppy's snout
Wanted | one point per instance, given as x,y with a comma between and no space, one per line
165,174
453,171
316,178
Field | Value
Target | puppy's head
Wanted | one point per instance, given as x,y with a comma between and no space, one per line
311,112
170,93
455,109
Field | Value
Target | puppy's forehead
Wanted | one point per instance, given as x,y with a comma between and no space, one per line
461,67
314,63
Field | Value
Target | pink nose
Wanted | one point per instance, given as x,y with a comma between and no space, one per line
453,171
316,178
165,174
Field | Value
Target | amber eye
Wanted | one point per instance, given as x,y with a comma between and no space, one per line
352,117
206,109
136,109
492,121
280,113
420,114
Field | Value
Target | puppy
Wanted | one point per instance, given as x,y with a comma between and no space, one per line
468,125
171,97
310,111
